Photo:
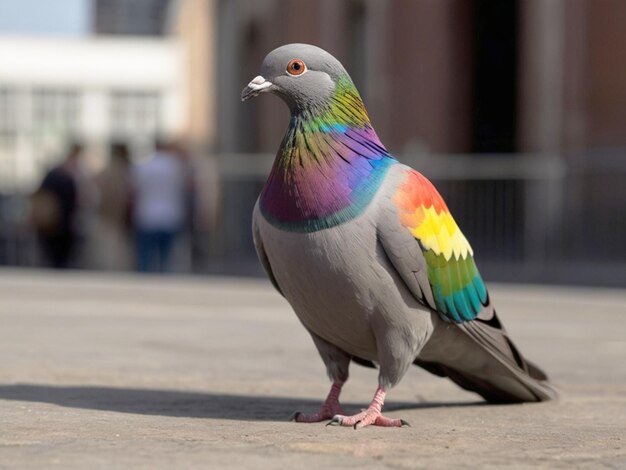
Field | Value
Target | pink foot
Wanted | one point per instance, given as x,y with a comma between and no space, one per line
325,412
367,418
330,408
371,416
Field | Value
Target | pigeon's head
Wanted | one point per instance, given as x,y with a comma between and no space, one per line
304,76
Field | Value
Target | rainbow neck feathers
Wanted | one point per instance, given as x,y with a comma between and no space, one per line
329,166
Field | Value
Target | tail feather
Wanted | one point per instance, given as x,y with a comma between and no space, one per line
535,372
511,391
480,357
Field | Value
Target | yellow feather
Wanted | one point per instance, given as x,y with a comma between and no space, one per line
440,233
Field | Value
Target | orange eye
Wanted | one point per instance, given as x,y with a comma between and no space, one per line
296,67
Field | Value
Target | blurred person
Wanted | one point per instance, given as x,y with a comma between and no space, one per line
54,209
161,190
112,234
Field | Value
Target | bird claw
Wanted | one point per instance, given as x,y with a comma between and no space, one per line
367,418
335,421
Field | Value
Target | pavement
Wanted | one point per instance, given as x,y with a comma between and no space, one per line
125,371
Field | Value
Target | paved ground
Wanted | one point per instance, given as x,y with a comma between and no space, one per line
104,371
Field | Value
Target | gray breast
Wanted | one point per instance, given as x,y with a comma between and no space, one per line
336,280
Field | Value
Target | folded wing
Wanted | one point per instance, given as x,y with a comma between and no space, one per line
434,259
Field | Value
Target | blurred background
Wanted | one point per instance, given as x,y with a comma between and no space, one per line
124,145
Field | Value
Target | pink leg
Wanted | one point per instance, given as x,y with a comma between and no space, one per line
329,408
371,416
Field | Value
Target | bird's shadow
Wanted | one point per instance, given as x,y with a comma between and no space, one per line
183,404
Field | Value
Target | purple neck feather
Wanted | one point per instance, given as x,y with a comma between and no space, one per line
328,168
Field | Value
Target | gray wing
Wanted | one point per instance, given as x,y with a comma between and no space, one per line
478,354
407,257
404,253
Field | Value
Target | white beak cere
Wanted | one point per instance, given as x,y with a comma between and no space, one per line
256,86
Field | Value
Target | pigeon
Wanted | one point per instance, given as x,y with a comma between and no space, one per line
367,254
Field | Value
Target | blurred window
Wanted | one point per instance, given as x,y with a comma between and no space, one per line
134,113
55,111
54,119
8,135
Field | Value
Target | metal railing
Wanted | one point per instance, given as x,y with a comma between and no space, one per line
529,217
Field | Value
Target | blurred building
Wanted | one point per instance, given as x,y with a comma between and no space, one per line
123,80
93,89
105,71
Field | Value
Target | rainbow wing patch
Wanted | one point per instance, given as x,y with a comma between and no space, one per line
458,290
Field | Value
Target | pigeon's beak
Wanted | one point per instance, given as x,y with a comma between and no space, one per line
256,86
